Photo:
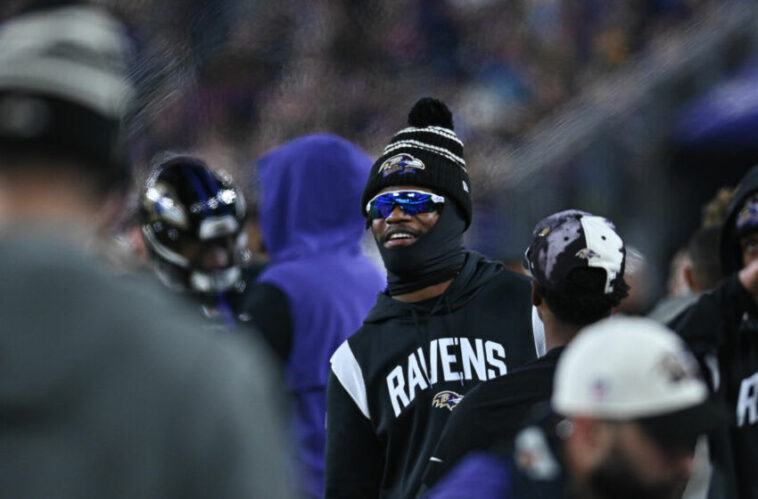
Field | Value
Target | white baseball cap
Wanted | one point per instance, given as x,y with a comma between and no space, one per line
633,368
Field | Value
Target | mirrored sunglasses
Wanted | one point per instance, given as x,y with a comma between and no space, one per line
411,202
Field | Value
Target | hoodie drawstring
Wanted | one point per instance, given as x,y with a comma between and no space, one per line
449,327
423,339
420,338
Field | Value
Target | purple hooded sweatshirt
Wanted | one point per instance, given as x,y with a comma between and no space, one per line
312,226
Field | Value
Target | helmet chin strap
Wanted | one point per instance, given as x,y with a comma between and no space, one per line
218,280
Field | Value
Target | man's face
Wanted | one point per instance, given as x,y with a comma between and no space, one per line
749,246
634,466
400,229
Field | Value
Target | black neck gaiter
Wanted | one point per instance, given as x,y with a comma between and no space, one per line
435,257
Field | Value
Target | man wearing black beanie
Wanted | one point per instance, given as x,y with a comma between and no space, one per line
448,320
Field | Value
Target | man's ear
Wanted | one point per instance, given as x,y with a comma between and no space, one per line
536,298
749,278
688,277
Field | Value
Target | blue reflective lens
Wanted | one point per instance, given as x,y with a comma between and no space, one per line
411,202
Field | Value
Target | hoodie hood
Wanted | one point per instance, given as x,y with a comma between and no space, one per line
476,271
310,197
731,254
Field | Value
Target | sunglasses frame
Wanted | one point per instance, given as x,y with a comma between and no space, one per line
436,198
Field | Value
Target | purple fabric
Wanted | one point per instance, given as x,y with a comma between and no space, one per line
479,474
726,116
312,225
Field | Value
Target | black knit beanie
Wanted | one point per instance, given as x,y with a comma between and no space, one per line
64,88
427,154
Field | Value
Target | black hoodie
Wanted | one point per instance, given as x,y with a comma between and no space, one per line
722,330
385,409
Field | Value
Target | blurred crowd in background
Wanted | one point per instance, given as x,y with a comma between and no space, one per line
231,79
251,75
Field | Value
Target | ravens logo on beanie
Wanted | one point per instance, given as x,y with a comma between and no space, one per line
427,153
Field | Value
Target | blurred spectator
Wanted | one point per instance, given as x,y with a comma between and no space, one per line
700,272
704,272
696,267
107,386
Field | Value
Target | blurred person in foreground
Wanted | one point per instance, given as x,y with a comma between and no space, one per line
318,286
576,261
107,388
448,320
627,409
722,330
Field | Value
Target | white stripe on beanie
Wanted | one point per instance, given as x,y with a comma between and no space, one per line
428,147
445,132
29,60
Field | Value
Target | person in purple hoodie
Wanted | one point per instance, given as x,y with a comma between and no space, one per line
318,286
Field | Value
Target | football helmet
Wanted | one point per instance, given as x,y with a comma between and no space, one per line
192,220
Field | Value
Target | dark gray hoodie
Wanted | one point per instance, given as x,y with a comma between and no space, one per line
109,389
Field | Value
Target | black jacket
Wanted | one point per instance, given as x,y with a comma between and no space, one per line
492,412
254,308
385,409
528,466
722,330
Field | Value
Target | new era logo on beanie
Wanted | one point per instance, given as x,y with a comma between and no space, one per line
427,153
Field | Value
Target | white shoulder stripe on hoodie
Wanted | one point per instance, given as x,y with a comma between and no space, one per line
345,367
